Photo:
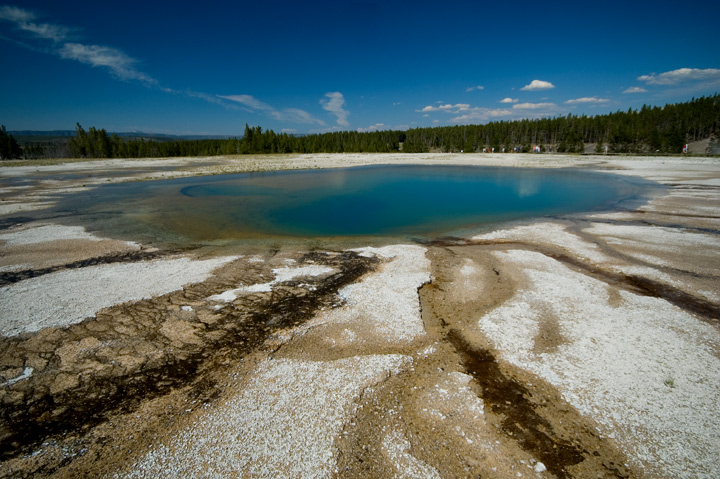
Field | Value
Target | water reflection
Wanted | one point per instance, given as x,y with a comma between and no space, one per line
528,185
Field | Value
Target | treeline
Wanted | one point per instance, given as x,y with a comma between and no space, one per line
647,130
96,143
650,129
9,147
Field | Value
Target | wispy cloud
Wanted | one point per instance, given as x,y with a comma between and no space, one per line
473,88
252,104
296,115
249,101
25,20
681,75
55,40
334,102
538,85
509,100
15,14
635,89
202,96
56,33
587,100
120,65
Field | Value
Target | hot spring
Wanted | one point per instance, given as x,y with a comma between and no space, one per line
364,204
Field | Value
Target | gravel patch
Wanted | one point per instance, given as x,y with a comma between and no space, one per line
69,296
383,307
282,424
386,303
396,448
45,233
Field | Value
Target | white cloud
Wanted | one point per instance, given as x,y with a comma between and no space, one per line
375,127
447,107
121,65
682,75
289,131
473,88
534,106
326,130
202,96
509,100
249,101
15,14
518,111
383,127
436,108
587,100
481,114
55,33
538,85
23,19
468,114
294,115
635,89
334,102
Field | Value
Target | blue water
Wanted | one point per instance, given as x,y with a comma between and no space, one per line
365,202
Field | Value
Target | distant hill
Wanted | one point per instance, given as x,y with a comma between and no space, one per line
26,136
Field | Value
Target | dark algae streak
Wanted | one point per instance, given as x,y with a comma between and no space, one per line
135,351
519,418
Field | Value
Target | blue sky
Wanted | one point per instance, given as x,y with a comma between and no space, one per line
210,67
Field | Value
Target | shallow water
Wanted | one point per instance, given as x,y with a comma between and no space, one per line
348,204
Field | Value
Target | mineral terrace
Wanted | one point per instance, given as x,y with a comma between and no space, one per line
581,346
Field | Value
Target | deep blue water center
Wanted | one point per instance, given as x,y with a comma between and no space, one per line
378,201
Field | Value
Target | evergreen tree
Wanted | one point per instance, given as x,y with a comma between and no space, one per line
9,147
78,144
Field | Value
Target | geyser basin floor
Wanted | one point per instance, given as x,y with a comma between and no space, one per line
621,379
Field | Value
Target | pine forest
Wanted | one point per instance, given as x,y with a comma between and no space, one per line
649,130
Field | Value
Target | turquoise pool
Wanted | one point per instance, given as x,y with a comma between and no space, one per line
360,203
